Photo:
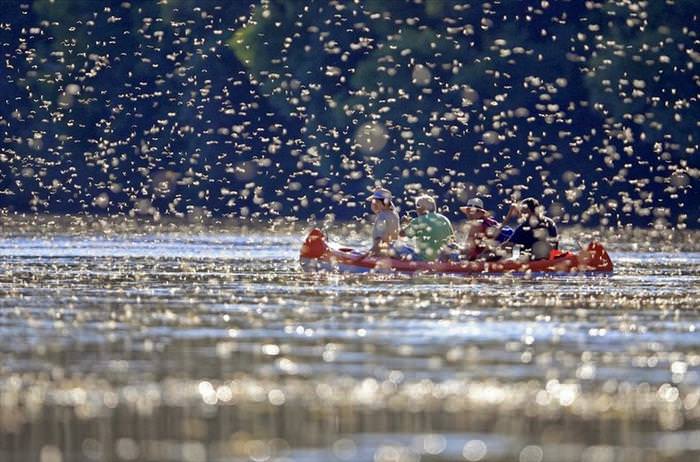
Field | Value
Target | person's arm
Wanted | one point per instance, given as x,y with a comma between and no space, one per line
515,238
453,236
374,250
404,224
513,212
376,245
471,239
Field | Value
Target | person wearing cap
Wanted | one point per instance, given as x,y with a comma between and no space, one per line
536,234
386,225
431,231
485,233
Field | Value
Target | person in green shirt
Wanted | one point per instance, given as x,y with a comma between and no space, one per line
431,231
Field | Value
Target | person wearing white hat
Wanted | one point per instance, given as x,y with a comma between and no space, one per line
432,231
386,225
485,233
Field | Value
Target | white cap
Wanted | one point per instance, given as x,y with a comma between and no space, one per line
426,203
476,203
473,203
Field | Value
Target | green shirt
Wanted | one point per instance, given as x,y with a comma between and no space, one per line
431,232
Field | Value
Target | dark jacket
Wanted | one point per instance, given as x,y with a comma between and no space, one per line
537,235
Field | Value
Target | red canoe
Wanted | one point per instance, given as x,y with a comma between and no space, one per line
318,255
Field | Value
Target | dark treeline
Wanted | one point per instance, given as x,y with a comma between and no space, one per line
295,108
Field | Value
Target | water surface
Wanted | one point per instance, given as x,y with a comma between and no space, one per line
212,345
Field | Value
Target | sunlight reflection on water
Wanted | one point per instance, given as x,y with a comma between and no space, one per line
215,346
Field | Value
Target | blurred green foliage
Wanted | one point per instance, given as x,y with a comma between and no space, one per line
298,108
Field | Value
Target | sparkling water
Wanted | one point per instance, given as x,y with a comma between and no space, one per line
212,344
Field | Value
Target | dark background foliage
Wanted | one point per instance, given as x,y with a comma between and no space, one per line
298,108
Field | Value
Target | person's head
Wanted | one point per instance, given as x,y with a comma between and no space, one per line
381,200
474,210
425,204
530,206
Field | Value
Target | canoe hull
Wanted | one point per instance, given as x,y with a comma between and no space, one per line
317,255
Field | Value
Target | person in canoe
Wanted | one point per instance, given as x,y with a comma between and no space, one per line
431,231
385,231
485,233
536,234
